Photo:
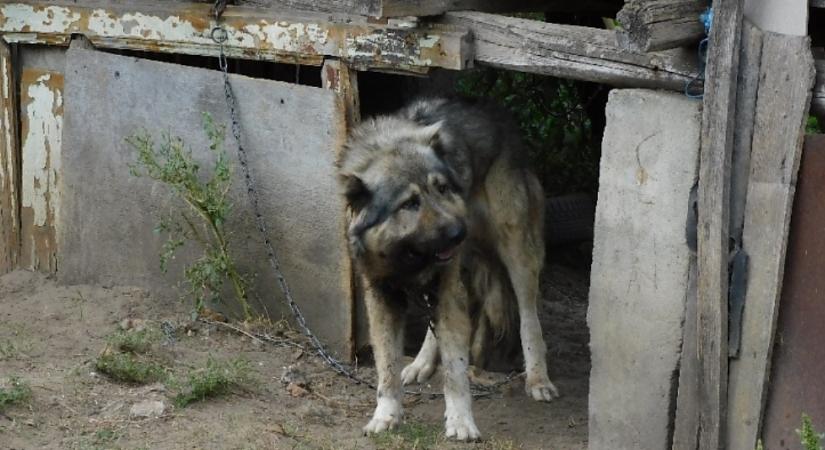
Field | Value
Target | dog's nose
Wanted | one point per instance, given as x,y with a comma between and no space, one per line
455,233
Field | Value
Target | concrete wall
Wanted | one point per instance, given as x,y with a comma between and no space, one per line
641,265
291,132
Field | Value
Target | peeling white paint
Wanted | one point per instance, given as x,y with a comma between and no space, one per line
41,149
143,26
366,45
49,19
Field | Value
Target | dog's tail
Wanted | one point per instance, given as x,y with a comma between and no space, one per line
495,340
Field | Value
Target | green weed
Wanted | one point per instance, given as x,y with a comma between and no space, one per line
409,436
134,341
214,380
129,367
811,440
170,162
15,392
812,125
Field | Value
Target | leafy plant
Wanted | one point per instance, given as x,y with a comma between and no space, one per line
171,163
812,125
811,440
551,115
17,392
216,379
128,367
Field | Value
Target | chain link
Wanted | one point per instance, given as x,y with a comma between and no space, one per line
220,36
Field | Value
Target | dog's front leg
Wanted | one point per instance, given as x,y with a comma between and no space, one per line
386,324
453,330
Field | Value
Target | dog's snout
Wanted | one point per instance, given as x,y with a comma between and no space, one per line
455,233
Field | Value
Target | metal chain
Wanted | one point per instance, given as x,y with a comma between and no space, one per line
219,35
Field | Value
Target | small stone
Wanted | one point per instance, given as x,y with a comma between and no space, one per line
294,375
148,408
296,390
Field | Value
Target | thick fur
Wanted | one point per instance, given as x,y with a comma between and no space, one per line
443,207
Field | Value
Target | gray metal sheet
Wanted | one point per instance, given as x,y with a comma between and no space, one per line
291,133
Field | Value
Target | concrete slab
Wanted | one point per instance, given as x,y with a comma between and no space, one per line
291,132
641,266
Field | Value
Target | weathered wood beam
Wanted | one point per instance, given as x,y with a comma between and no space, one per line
818,98
782,100
650,25
718,123
185,28
570,51
397,8
9,165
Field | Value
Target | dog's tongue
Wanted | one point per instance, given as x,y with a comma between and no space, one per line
446,254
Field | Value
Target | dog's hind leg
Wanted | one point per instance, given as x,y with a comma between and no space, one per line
422,368
387,337
518,215
453,329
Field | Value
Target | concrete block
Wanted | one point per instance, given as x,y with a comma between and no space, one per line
641,266
291,133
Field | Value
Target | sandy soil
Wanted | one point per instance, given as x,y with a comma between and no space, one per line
51,335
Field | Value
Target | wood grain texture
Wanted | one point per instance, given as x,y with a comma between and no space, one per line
41,131
9,163
749,62
650,25
185,28
718,121
570,51
779,126
337,77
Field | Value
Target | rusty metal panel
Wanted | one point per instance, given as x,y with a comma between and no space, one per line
41,125
798,371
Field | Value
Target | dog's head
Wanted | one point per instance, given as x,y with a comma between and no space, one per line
407,209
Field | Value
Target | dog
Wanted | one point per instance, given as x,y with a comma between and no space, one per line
444,212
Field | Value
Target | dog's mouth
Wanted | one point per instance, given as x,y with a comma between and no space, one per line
446,255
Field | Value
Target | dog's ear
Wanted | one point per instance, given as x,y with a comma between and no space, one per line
429,134
355,191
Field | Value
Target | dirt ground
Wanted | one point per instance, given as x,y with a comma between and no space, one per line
51,335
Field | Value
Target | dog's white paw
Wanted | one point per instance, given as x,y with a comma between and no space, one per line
462,427
541,389
417,372
386,417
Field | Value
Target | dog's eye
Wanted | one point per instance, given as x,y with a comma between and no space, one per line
442,188
411,204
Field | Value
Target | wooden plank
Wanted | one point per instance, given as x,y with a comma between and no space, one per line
686,432
185,28
9,163
818,98
569,51
782,103
718,123
337,77
396,8
41,127
749,62
650,25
